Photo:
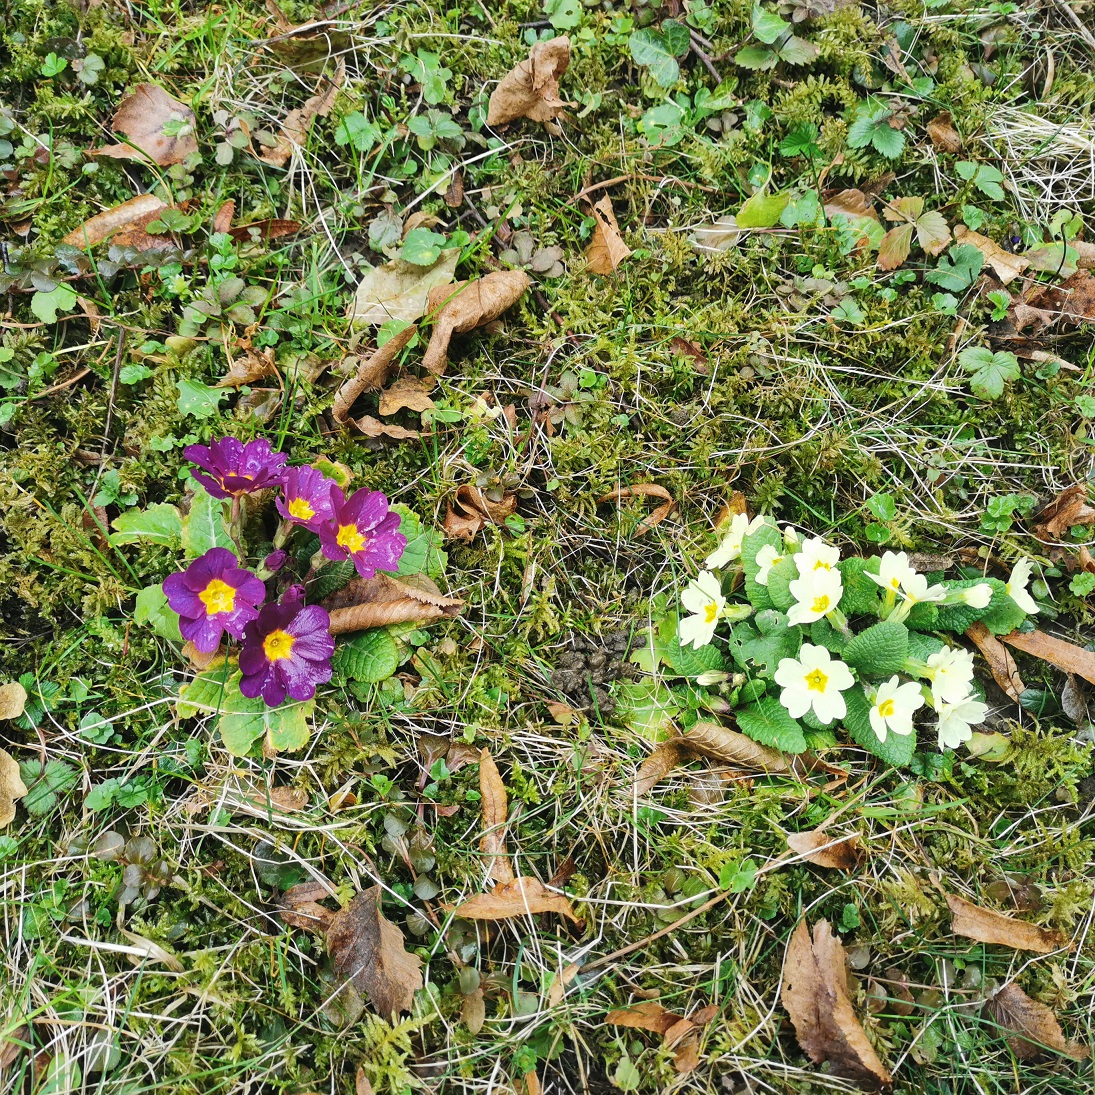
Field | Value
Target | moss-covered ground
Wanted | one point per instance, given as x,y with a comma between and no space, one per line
142,874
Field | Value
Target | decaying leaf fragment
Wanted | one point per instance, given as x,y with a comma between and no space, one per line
943,134
248,367
1000,662
1064,655
12,787
495,811
1034,1026
273,228
1005,265
383,600
372,372
644,490
607,250
13,700
469,304
471,510
406,394
368,950
815,994
516,898
678,1032
986,926
103,225
400,289
159,128
294,130
531,88
822,849
1069,508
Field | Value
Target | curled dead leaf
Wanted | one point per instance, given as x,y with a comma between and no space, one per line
372,372
1069,508
815,994
471,510
943,134
222,219
368,950
12,787
294,130
466,305
408,393
1064,655
822,849
531,88
495,810
144,116
1005,265
677,1031
103,225
400,289
643,490
517,898
248,367
665,757
986,926
373,427
648,1015
717,742
607,249
382,600
999,659
272,229
13,700
1033,1025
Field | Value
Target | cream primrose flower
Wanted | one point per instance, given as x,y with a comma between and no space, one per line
814,680
767,558
1016,587
951,674
730,547
893,571
702,598
916,589
978,596
957,720
893,707
790,537
816,555
816,594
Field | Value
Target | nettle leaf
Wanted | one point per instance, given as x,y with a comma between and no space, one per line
897,750
768,722
203,527
880,650
158,524
650,49
371,657
991,372
958,269
767,25
762,210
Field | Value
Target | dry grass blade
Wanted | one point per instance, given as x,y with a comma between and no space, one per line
986,926
103,225
294,130
144,117
1069,508
644,490
1033,1025
371,373
495,811
517,898
1064,655
531,88
382,600
607,250
822,850
999,659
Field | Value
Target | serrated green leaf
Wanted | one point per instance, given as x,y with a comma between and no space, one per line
780,578
152,610
887,141
922,647
991,372
767,721
158,524
880,650
757,58
686,661
762,210
370,657
1003,615
330,578
861,595
897,750
203,527
204,695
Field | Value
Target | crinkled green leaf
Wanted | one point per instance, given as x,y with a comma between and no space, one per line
897,750
768,722
880,650
158,524
861,594
370,657
152,610
203,527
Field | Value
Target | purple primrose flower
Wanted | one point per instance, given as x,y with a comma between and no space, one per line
306,497
230,468
213,595
286,651
362,529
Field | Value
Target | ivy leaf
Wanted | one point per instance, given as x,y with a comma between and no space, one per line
757,58
797,51
991,372
767,25
46,305
958,269
768,722
650,49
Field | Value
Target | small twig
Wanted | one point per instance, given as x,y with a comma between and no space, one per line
79,375
707,63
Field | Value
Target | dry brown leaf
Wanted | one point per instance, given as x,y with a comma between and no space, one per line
222,219
1006,266
294,130
362,1086
454,192
850,203
373,427
667,756
473,1010
13,700
516,898
287,799
400,289
643,490
986,926
382,600
143,116
12,787
693,351
408,393
495,810
248,367
1064,655
469,304
815,994
943,134
607,249
471,510
531,88
105,224
559,985
1072,301
1000,661
823,850
1034,1026
717,742
371,373
368,950
647,1015
271,229
1069,508
677,1031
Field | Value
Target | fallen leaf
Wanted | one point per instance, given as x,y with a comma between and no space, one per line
1064,655
299,907
1069,508
473,1011
607,250
454,192
408,393
373,427
144,117
103,225
850,203
943,134
1006,266
294,130
12,787
400,290
494,813
894,247
531,89
13,700
717,742
815,994
648,1015
999,659
372,372
272,229
516,898
288,800
986,926
469,304
665,757
368,950
362,1086
248,367
562,981
693,351
471,511
222,219
382,600
1072,301
719,235
823,850
1034,1026
643,490
677,1031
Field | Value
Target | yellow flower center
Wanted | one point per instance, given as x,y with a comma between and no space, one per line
218,596
816,681
895,583
820,564
886,708
300,509
821,604
278,645
710,612
350,538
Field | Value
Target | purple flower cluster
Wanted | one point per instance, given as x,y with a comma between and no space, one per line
286,646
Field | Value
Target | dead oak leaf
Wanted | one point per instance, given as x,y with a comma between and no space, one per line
517,898
824,850
495,811
1069,508
815,994
531,88
406,394
294,130
12,787
159,128
103,225
383,600
1032,1025
987,926
368,950
607,249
